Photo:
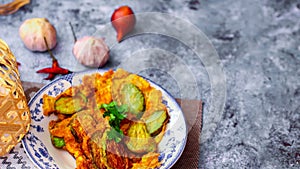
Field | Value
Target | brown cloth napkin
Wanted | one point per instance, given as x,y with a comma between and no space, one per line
192,110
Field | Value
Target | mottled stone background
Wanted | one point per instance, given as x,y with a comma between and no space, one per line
258,42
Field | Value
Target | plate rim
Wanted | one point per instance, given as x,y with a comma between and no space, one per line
101,70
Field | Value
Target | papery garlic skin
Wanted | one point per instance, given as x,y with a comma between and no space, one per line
32,32
91,51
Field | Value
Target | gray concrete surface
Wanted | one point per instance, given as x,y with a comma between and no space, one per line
258,42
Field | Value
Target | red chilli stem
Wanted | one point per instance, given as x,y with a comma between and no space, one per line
55,64
57,70
48,49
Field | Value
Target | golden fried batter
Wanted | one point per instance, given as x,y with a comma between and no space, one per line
85,131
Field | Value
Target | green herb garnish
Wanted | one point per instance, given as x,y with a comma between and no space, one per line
116,114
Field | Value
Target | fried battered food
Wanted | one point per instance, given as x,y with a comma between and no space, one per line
139,140
148,161
117,156
85,129
133,98
156,121
48,105
70,104
97,146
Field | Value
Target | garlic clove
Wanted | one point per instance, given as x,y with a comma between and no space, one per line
91,51
32,32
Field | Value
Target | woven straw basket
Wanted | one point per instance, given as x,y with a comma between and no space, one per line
12,7
14,111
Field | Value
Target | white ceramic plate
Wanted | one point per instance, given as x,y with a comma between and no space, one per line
40,150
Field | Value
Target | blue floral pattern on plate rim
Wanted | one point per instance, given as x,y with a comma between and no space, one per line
37,142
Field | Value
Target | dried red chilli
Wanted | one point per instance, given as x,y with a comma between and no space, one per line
50,76
55,69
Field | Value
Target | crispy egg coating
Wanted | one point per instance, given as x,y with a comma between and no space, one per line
84,130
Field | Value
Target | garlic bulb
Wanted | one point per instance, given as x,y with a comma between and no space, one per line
91,51
32,32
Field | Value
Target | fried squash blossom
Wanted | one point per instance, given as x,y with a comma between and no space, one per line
113,120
